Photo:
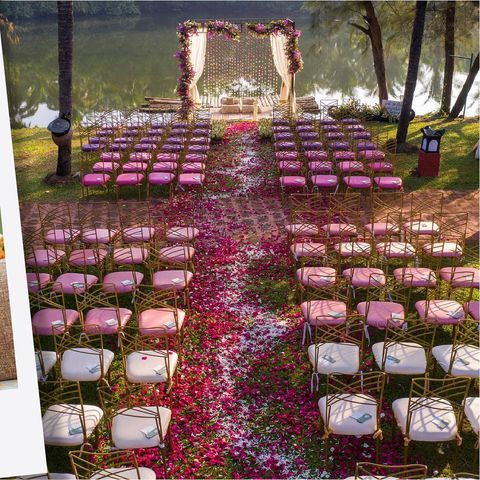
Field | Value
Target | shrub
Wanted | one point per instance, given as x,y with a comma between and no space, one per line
219,128
355,108
265,128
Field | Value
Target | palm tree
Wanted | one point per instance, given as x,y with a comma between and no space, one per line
462,97
65,62
412,72
449,59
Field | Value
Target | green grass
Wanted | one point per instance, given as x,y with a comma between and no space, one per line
36,156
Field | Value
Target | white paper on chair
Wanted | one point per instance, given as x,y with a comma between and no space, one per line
392,359
176,280
361,417
75,430
111,322
397,317
456,314
150,431
335,314
77,284
170,324
32,283
440,423
328,358
159,370
462,361
127,283
93,368
57,322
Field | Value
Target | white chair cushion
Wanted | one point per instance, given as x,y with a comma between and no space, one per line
60,419
341,422
142,473
411,356
346,358
141,366
83,364
127,426
472,412
422,426
467,359
49,360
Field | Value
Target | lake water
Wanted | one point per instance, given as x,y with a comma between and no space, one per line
118,61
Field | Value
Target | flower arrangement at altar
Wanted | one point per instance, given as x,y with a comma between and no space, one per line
185,30
230,31
282,27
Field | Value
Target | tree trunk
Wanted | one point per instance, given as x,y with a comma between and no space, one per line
412,72
462,97
377,50
449,60
65,61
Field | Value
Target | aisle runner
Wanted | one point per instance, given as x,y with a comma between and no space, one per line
242,407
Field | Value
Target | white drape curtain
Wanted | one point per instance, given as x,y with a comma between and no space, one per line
198,48
278,44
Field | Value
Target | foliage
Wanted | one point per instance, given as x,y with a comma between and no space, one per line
265,128
219,127
355,108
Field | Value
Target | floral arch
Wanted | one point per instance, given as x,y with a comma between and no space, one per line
194,37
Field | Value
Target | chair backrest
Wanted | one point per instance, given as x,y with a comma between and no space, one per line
390,291
88,464
466,333
60,392
147,298
338,291
426,392
380,471
452,226
96,297
352,331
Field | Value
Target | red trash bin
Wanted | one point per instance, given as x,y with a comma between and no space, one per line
428,164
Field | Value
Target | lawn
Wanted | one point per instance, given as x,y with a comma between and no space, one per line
35,156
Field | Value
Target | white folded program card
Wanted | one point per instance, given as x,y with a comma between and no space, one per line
440,422
93,368
299,180
361,417
397,317
456,314
111,322
159,370
150,431
177,280
463,361
75,430
393,359
32,283
77,284
57,322
378,278
126,283
328,358
335,314
170,324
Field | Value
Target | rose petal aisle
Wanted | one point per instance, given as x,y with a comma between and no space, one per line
242,407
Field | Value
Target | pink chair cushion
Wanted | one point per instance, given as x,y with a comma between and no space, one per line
160,321
175,140
129,255
171,148
100,167
164,167
44,257
308,249
344,155
311,145
87,257
366,146
171,279
99,320
292,181
357,181
119,147
98,235
461,277
361,135
381,314
353,249
121,282
316,155
37,281
324,312
134,167
331,128
289,166
199,140
334,135
71,283
325,181
396,249
92,147
365,276
388,183
442,312
43,319
167,157
176,253
340,229
196,157
355,128
443,249
138,234
61,236
380,167
320,166
144,157
151,139
160,178
371,154
288,155
416,277
284,145
316,276
199,148
473,309
282,136
129,179
350,166
382,228
181,234
423,227
110,157
305,128
193,167
191,179
308,135
144,147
